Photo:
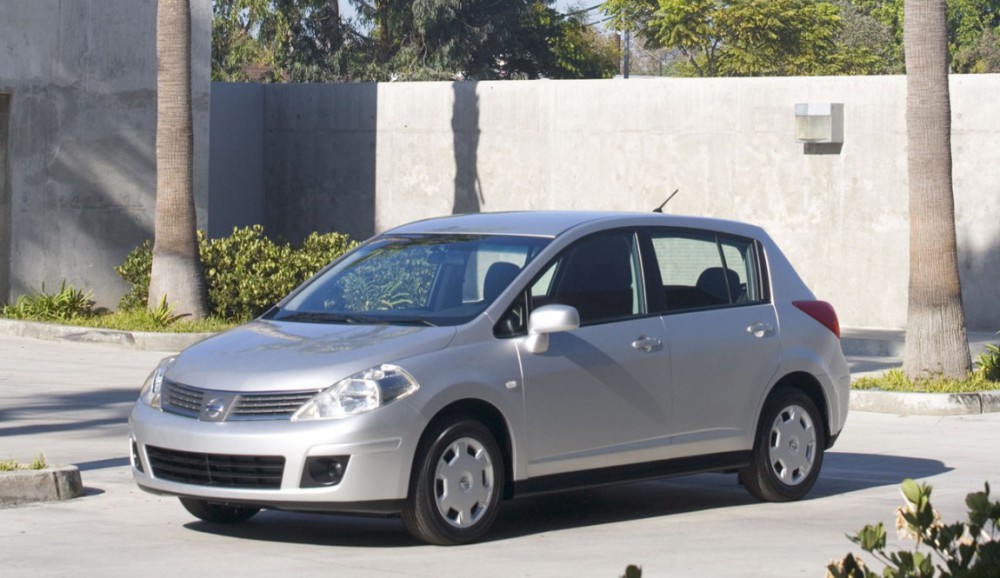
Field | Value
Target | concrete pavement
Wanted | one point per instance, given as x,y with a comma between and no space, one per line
70,401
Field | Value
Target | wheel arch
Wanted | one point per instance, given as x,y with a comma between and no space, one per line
483,412
811,387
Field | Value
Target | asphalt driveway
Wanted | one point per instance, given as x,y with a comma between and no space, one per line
70,401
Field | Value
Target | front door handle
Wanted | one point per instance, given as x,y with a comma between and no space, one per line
760,330
647,344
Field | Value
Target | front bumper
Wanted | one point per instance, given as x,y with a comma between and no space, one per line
379,446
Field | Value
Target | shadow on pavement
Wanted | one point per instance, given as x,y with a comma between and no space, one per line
102,464
67,412
314,529
842,473
850,472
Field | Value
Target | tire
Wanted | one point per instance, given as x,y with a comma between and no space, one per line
458,478
216,513
788,449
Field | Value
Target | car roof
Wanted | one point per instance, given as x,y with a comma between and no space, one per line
554,223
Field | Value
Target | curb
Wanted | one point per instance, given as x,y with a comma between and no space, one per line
139,340
925,403
47,485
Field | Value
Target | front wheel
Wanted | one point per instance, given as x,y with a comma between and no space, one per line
458,478
218,513
788,449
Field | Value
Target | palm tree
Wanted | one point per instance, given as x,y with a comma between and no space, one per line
936,340
176,275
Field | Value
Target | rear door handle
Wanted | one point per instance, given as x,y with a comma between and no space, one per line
760,330
647,344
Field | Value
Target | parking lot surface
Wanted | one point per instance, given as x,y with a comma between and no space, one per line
70,401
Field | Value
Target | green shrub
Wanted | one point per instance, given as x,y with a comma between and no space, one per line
67,303
318,251
961,549
988,362
245,273
135,271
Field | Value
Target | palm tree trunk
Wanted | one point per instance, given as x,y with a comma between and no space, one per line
176,275
936,340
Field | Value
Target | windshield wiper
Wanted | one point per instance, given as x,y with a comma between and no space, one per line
314,317
409,321
324,317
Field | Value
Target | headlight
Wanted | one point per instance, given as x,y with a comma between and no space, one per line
359,393
150,394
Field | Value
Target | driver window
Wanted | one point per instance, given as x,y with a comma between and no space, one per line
599,276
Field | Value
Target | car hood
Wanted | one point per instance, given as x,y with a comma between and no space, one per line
283,356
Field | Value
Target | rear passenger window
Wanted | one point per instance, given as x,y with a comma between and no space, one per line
699,270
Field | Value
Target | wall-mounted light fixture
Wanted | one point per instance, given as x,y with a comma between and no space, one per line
819,123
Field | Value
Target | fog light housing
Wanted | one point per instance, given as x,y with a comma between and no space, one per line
136,460
323,471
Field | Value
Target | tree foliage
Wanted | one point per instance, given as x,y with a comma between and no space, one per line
802,37
743,37
309,41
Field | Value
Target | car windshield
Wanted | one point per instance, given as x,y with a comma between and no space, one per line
413,279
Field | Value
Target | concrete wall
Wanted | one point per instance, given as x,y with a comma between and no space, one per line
363,158
236,178
80,76
4,196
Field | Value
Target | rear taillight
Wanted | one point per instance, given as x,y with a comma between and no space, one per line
821,311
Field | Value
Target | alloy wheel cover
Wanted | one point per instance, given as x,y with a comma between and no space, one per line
464,482
792,445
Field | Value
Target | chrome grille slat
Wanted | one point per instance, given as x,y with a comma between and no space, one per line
184,400
274,405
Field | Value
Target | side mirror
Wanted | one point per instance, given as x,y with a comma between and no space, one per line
549,319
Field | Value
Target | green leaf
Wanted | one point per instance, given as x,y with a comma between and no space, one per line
911,491
870,538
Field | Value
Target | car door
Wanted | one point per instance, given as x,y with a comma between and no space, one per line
722,332
598,395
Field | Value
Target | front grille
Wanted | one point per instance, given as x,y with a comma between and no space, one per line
177,398
269,405
189,401
251,472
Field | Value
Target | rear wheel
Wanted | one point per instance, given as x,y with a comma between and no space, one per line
788,449
218,513
457,482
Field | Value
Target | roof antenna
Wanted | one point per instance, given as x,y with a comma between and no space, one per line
660,208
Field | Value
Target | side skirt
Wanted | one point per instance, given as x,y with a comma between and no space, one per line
632,473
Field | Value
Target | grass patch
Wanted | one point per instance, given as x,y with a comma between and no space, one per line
39,463
139,320
143,320
896,380
71,306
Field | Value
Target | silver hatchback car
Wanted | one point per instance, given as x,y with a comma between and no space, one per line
451,363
